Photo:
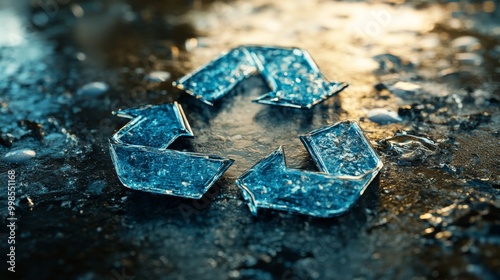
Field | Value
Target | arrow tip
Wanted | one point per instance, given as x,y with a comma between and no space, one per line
302,100
153,126
272,99
271,166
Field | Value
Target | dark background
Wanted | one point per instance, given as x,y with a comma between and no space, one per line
432,215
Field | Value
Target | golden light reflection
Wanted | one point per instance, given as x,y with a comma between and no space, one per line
489,7
453,6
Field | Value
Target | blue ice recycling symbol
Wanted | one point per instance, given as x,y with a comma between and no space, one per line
343,154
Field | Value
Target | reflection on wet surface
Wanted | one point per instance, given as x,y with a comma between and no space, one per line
66,66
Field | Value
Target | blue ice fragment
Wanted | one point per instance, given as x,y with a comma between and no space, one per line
217,78
348,164
270,184
153,126
169,172
143,162
342,150
294,78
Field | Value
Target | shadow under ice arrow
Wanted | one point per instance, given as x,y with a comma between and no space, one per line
347,163
292,75
143,162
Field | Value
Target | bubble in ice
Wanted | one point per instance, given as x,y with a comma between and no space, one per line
19,156
93,89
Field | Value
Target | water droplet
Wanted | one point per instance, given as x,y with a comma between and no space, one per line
429,230
77,10
158,76
383,116
40,19
426,216
31,204
404,88
80,56
410,147
191,44
93,89
466,43
18,156
469,59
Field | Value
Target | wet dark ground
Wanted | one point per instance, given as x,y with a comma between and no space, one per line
433,212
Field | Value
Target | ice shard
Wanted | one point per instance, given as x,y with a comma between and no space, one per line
292,75
169,172
143,162
153,126
347,162
217,78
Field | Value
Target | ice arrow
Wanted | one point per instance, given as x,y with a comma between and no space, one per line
292,75
143,162
347,163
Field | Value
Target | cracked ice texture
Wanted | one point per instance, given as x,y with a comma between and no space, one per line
292,75
217,78
341,150
270,184
143,162
166,171
153,126
348,165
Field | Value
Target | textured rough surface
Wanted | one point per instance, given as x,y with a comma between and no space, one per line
291,74
431,213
